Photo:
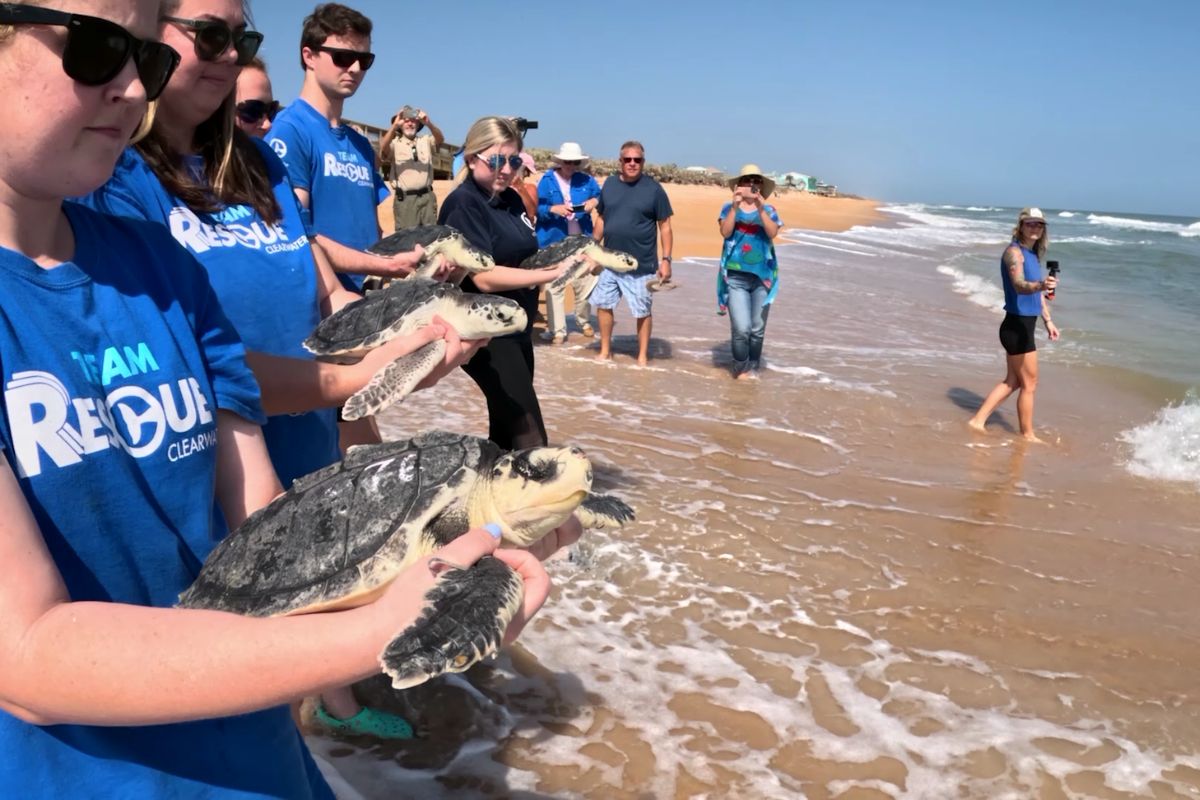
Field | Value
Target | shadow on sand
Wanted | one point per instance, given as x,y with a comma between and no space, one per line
970,401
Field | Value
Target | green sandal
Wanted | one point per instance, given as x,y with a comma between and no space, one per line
367,722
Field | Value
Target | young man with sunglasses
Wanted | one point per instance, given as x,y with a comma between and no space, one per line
331,165
411,159
636,213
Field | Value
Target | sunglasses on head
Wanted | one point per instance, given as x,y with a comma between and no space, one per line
633,159
496,161
344,59
251,112
214,37
97,49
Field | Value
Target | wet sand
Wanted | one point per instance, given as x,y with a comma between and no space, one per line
834,589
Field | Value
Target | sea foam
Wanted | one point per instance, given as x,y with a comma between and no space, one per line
1167,447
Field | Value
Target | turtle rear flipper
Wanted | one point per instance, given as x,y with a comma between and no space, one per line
395,381
603,511
463,622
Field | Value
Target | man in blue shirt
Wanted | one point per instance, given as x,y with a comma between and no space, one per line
332,166
636,213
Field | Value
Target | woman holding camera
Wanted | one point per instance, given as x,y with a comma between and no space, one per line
1024,301
567,196
748,280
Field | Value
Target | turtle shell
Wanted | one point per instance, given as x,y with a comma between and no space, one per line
339,535
377,317
403,241
553,254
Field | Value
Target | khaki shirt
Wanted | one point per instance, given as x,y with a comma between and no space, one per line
412,163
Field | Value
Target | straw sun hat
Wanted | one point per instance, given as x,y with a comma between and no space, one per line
752,171
571,151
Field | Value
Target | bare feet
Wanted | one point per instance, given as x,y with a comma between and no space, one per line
642,361
604,355
748,375
1033,439
976,425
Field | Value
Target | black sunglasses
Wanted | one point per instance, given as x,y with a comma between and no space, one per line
496,161
251,112
343,58
633,159
214,37
97,49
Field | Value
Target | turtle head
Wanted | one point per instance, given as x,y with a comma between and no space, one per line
615,260
480,316
532,492
461,253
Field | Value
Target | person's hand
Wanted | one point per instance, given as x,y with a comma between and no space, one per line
1052,331
401,603
593,266
758,200
739,194
402,264
664,270
1049,283
562,210
396,348
564,535
422,116
445,270
590,204
458,352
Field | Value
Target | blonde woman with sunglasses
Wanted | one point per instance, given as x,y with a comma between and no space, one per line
129,445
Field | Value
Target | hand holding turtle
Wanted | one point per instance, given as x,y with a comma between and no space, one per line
402,264
458,352
564,535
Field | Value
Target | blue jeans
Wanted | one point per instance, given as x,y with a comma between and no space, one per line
747,318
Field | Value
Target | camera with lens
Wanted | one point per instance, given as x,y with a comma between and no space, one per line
524,124
408,112
1052,268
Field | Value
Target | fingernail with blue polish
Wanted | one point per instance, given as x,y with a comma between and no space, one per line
493,529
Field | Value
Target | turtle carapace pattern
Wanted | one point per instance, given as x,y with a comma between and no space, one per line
340,535
400,308
577,250
442,243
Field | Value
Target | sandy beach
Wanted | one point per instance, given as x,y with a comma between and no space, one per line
696,208
833,588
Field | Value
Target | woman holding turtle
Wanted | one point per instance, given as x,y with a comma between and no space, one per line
493,218
127,411
749,276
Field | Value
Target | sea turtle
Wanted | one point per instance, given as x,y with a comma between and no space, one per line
438,240
402,307
577,249
340,535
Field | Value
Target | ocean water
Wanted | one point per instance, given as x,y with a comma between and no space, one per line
833,588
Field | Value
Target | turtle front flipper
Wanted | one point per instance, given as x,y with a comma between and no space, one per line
570,273
463,622
395,381
603,511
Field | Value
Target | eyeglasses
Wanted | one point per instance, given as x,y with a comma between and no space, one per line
496,161
97,49
1034,223
251,112
214,37
570,163
633,159
344,59
750,182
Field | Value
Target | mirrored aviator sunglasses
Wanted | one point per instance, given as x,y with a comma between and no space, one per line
213,38
97,49
496,161
251,112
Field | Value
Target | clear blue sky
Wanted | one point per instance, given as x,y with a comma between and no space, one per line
1083,104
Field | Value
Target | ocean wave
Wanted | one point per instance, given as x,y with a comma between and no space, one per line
1133,224
979,291
1100,240
983,208
1066,213
1167,447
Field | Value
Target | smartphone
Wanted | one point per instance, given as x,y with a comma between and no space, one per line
578,208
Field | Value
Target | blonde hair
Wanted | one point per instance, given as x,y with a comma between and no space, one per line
1043,241
487,132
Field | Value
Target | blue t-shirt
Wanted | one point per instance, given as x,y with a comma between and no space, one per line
552,228
113,367
1025,305
336,166
263,274
631,213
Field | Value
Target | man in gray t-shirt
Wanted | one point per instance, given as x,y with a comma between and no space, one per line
635,213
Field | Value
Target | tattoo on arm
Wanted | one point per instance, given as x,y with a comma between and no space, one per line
1014,262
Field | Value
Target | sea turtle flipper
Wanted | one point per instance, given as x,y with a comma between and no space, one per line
603,511
430,264
569,274
395,381
463,622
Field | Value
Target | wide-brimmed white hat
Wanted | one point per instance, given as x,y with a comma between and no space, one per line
752,171
570,151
